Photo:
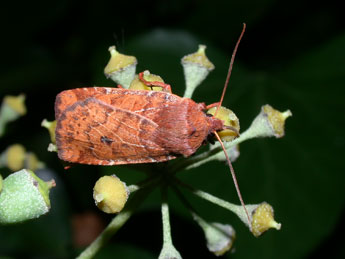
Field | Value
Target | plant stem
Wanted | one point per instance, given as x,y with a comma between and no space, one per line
115,224
213,199
166,219
168,250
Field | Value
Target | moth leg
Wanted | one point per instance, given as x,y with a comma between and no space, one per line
120,86
166,87
212,105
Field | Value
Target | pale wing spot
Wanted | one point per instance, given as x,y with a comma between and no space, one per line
151,108
111,162
152,159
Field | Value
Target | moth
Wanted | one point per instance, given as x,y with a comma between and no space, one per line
113,126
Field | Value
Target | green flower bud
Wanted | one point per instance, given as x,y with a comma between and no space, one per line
268,123
31,162
230,119
50,126
13,157
261,215
263,219
16,103
137,84
196,67
24,196
120,68
110,194
219,237
233,153
12,107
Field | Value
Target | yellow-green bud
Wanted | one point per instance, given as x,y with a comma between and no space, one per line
137,84
17,103
13,157
230,119
276,119
196,67
24,196
50,126
110,194
31,162
120,68
261,217
268,123
12,107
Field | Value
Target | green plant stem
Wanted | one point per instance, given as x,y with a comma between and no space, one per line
166,220
238,210
115,224
168,250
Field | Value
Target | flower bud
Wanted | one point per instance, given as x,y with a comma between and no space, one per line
137,84
110,194
233,153
13,157
230,119
261,216
24,196
12,107
219,237
268,123
120,68
196,67
50,126
276,119
263,219
31,162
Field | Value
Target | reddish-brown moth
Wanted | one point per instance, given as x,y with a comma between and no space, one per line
112,126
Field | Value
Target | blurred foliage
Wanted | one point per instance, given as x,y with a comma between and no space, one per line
292,57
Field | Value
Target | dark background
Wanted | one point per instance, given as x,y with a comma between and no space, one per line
292,56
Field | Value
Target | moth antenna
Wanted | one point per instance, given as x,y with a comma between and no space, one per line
232,171
230,68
